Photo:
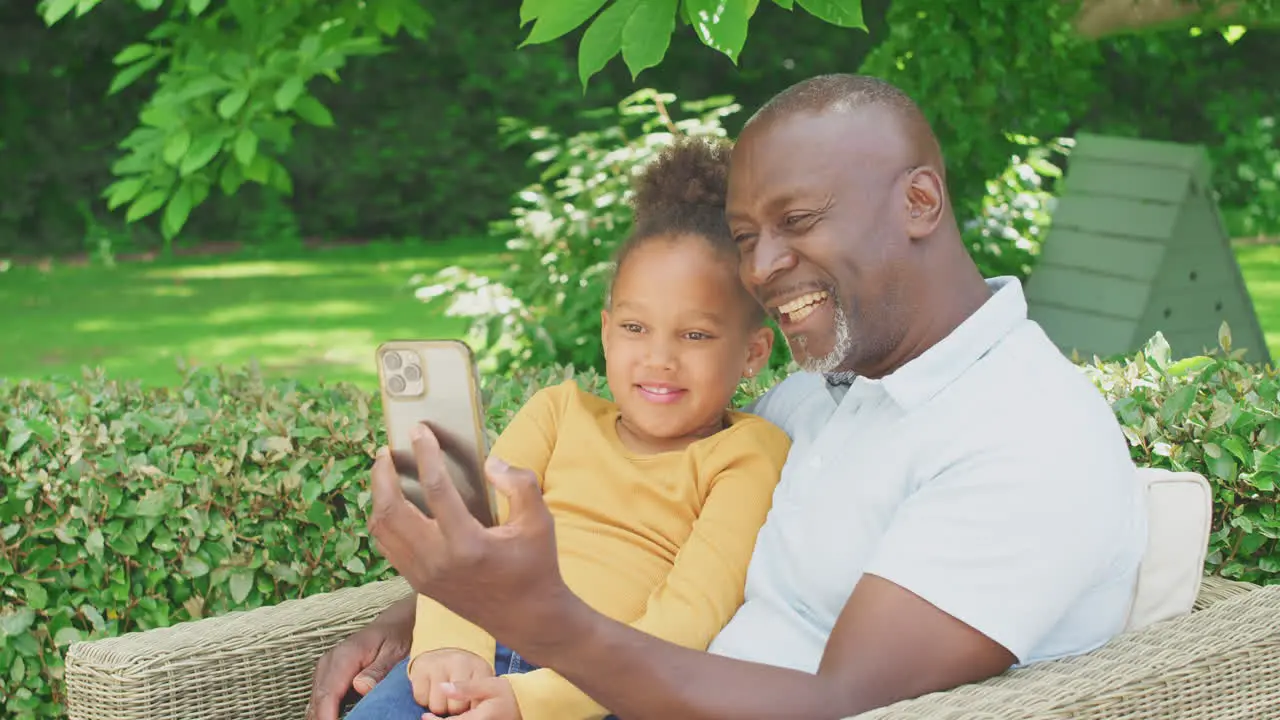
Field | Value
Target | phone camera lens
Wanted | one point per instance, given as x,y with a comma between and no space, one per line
412,373
396,384
392,360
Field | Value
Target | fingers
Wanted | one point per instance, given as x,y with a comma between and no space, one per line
479,695
333,678
397,528
438,703
376,670
520,487
442,497
460,703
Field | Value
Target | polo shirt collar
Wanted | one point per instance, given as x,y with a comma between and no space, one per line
919,380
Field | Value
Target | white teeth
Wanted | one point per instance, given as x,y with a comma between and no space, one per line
656,391
802,313
801,303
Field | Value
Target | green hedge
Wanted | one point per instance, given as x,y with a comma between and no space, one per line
125,508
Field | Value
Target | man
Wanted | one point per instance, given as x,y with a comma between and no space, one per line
959,499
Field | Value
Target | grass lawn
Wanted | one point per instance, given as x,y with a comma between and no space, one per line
1260,265
314,315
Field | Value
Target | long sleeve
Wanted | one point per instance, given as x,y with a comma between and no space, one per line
526,442
706,583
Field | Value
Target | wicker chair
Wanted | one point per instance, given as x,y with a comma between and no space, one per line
1222,661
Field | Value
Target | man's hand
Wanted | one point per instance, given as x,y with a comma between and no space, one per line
489,699
430,672
361,661
505,579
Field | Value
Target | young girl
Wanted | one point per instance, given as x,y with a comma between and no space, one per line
657,495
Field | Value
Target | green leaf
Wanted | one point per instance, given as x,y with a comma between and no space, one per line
647,35
145,205
55,10
231,103
720,24
240,583
176,146
178,210
355,566
132,53
34,593
67,636
844,13
14,623
313,111
203,150
18,671
231,179
122,191
785,4
93,543
1178,403
94,617
603,38
246,146
194,567
129,75
531,9
197,6
124,544
288,93
387,18
559,17
17,441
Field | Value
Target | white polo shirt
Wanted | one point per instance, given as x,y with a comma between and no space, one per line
988,476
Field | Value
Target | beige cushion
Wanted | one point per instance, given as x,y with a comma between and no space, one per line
1179,512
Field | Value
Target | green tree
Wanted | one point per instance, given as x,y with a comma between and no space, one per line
234,78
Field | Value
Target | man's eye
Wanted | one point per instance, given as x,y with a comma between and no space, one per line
695,335
793,220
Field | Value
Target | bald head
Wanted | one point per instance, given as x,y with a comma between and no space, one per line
848,94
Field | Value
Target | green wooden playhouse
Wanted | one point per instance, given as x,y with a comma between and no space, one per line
1137,246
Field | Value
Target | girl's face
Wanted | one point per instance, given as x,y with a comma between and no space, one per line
678,337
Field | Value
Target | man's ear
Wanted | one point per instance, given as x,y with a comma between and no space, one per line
759,347
604,331
926,201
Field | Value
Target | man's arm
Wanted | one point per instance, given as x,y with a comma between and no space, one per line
1024,538
887,645
976,567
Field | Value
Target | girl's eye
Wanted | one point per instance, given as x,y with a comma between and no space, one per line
698,336
631,327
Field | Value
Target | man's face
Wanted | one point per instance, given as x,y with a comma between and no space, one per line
816,204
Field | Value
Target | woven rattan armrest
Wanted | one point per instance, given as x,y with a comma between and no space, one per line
256,664
1221,662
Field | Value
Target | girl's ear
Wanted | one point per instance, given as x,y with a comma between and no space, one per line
759,347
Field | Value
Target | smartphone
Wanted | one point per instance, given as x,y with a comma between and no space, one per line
436,382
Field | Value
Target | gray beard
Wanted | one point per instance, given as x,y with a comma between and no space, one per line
840,349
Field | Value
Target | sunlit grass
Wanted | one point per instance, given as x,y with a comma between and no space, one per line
1260,266
314,315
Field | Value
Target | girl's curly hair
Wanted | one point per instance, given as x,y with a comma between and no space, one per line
682,193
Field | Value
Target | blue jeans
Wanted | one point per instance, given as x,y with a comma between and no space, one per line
392,699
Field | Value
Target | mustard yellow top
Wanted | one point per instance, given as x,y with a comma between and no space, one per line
661,542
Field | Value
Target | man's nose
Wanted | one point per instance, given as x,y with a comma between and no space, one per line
770,256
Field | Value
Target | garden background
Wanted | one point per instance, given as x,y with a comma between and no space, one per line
188,317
